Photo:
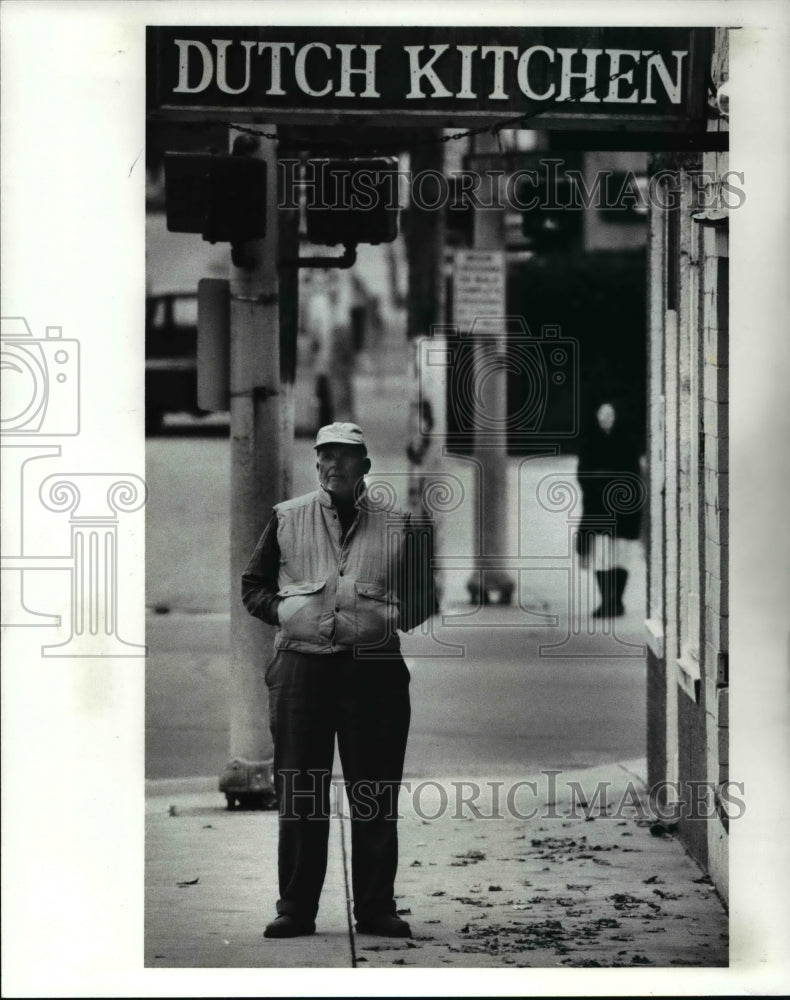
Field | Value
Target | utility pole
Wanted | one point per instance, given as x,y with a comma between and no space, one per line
425,241
425,248
261,432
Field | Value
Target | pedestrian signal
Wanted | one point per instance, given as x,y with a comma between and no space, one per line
351,201
550,220
220,196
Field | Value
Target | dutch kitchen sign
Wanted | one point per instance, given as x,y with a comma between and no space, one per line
629,78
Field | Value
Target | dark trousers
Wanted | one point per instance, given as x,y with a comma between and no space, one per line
365,703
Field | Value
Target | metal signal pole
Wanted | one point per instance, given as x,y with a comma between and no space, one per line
261,461
491,457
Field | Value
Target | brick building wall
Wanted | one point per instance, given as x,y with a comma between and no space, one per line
688,614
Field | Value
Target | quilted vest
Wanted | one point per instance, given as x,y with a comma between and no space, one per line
338,597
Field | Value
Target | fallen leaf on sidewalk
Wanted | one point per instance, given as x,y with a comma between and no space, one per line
193,881
439,892
625,901
663,829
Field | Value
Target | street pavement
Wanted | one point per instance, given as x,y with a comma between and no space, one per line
499,708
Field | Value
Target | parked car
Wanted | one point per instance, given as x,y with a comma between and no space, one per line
170,357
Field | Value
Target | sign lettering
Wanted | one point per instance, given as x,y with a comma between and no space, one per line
643,77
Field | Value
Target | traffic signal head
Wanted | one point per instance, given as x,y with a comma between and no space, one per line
549,218
220,196
351,201
459,215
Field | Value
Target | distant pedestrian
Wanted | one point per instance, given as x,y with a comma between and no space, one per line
327,323
609,474
317,323
339,575
342,360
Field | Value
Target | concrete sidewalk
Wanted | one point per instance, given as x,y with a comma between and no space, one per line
494,873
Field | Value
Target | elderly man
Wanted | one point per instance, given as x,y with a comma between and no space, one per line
339,575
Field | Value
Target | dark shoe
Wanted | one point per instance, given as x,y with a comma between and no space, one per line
286,926
620,580
606,584
385,925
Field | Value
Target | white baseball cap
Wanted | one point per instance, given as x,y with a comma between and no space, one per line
340,433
